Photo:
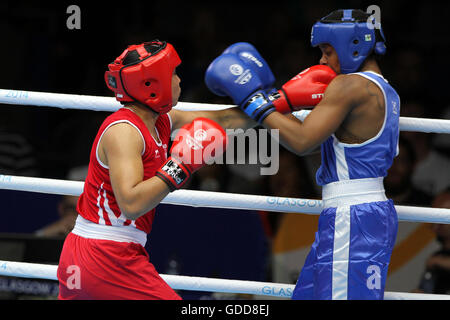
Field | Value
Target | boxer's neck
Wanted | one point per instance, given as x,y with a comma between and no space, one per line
148,116
371,65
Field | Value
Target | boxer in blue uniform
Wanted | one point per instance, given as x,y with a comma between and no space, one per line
356,124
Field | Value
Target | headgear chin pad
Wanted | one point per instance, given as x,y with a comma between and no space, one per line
380,48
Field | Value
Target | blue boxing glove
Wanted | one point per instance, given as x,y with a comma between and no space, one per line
249,55
229,75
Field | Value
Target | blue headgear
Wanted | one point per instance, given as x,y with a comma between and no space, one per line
352,38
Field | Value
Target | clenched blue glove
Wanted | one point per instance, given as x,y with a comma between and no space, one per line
236,77
248,53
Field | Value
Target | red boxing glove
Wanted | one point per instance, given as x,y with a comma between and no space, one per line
304,90
196,145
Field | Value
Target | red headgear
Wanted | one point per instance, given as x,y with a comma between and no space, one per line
147,80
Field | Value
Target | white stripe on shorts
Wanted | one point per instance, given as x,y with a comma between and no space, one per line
341,248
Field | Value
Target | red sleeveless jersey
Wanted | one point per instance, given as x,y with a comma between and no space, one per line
97,202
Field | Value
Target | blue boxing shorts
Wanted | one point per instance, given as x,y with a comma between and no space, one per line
350,256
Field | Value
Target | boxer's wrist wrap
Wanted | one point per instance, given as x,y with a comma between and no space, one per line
174,173
258,107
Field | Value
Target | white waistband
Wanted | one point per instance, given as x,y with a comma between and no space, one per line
90,230
353,192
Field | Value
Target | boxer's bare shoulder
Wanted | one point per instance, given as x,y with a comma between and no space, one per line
366,109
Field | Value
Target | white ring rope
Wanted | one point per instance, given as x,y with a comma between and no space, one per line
95,103
43,271
224,200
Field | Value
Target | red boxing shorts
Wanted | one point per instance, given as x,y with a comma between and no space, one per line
109,270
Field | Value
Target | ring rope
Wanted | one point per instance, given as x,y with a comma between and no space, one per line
176,282
96,103
195,198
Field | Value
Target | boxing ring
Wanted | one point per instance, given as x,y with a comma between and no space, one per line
200,199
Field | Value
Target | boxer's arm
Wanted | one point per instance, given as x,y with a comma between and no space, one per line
302,137
121,148
231,118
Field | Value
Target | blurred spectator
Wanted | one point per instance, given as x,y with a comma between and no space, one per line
245,178
210,178
17,155
428,175
69,143
413,239
442,141
245,169
292,233
67,209
436,277
398,183
408,71
17,152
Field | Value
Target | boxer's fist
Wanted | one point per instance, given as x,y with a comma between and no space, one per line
196,145
249,55
304,90
229,76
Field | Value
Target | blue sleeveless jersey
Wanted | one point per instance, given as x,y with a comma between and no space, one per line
370,159
356,234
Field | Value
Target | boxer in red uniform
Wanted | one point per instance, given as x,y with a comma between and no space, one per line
130,173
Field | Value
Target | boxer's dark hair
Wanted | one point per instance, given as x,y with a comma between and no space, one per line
133,56
338,15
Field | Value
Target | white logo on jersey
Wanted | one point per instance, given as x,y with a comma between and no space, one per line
394,107
156,153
